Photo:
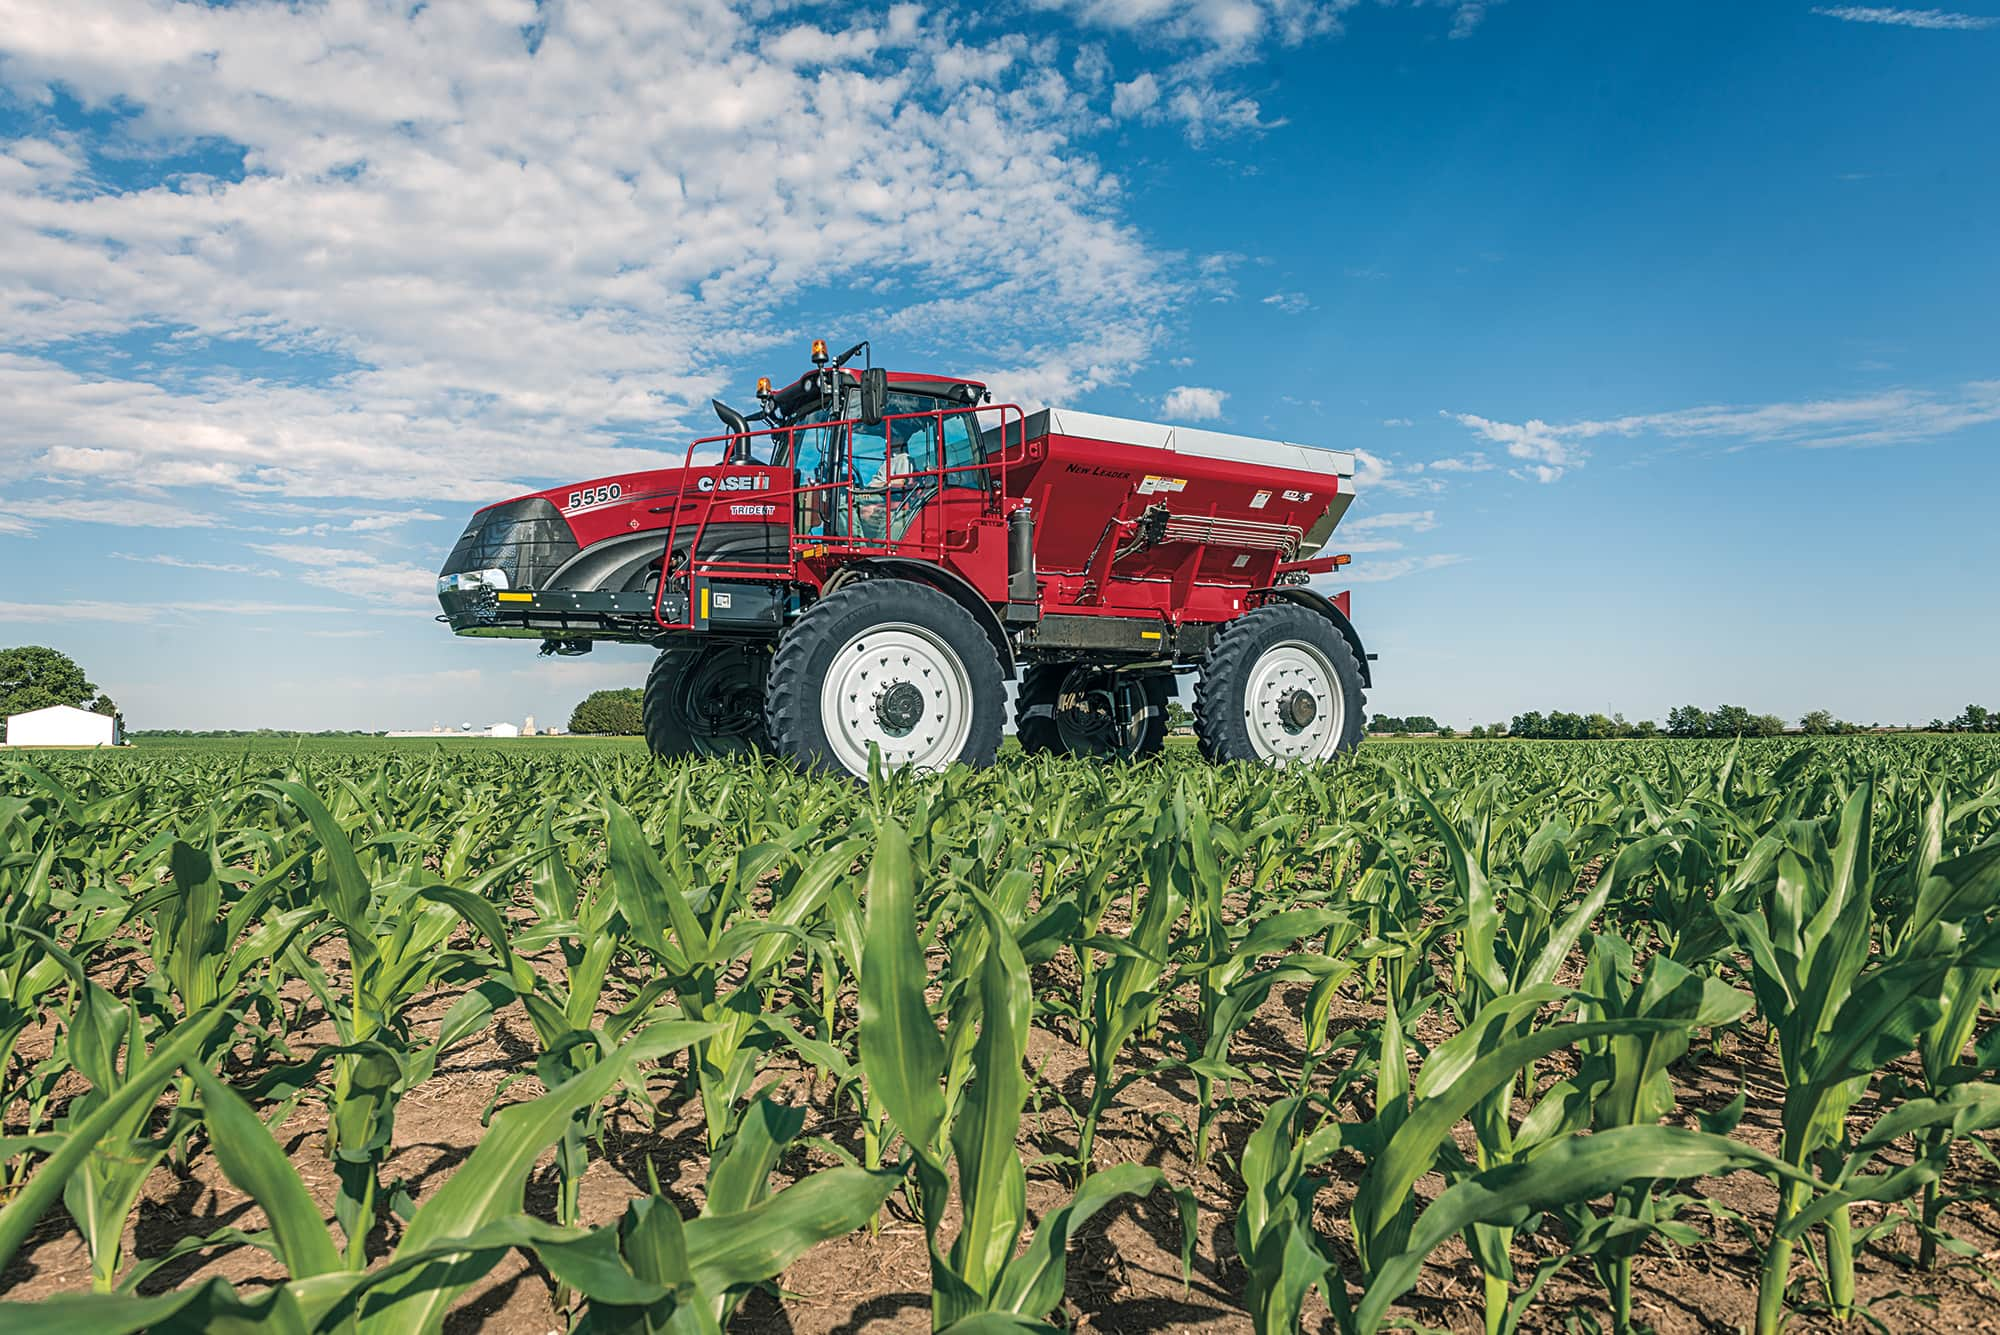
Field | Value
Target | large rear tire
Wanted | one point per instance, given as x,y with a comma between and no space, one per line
886,662
706,701
1081,710
1280,686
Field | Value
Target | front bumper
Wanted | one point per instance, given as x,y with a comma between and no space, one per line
549,614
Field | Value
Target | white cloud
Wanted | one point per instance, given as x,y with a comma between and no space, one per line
1212,40
1206,112
360,574
182,563
1933,19
1228,25
1397,421
517,256
1467,15
1291,303
1357,536
1375,572
1893,417
1376,473
1474,462
1193,403
1136,96
1546,452
1416,521
149,613
119,511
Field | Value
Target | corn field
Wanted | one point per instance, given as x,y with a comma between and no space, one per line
1496,1037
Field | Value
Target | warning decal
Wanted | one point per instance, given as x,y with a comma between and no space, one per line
1154,483
1260,500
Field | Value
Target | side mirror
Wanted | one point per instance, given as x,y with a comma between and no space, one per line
874,396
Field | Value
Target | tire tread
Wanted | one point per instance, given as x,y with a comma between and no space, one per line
1218,724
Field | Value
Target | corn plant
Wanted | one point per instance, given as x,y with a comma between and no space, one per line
983,1280
714,954
396,953
1840,1012
1124,993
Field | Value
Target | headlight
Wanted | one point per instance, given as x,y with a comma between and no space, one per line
472,579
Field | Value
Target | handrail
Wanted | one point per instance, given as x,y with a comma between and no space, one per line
852,540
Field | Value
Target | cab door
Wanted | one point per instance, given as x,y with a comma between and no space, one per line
945,485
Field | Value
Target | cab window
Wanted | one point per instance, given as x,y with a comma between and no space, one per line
962,450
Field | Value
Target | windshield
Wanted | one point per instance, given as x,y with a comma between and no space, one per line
812,449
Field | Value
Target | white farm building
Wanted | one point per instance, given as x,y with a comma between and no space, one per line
61,725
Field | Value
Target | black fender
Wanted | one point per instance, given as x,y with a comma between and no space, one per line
1326,607
950,583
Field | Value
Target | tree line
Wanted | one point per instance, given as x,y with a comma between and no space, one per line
1686,721
1975,718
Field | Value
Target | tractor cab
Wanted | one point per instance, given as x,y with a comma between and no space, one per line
895,439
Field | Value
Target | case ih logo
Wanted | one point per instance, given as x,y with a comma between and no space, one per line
740,482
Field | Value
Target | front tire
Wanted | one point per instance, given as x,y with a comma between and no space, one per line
706,701
1079,710
1280,686
890,663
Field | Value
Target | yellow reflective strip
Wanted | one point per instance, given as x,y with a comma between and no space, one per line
517,597
704,602
1149,635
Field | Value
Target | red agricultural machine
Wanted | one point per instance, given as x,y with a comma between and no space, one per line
864,561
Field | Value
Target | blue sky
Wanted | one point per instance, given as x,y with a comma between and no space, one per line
1667,331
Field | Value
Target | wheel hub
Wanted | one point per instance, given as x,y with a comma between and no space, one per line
901,688
1293,706
898,707
1299,709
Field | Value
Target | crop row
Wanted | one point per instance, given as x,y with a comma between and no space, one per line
1502,965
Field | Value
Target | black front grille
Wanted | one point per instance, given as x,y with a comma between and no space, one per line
527,539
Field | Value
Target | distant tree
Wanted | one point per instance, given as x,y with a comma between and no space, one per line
1687,721
1445,730
1564,725
610,713
1766,725
1389,723
1496,730
1817,722
1599,727
1730,721
1937,725
1645,727
1179,715
35,676
1976,718
1530,724
1420,723
1478,731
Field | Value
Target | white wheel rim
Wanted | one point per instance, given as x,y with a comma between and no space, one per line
877,681
1283,676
